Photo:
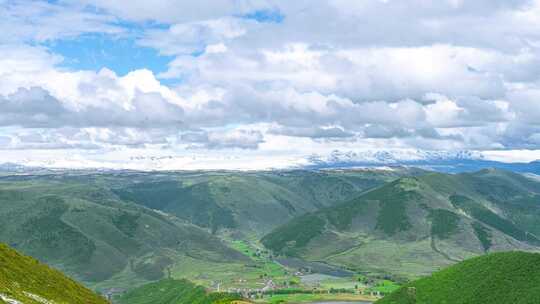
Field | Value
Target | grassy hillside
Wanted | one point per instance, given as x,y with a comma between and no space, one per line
253,203
119,229
24,279
175,292
130,228
415,225
82,228
510,277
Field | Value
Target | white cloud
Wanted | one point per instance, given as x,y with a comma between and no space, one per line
189,38
31,21
176,11
328,74
217,140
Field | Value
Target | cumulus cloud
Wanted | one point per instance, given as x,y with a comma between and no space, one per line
23,21
32,107
35,107
216,140
322,74
190,38
175,11
311,132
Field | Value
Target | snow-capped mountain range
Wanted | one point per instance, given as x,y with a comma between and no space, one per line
444,161
391,157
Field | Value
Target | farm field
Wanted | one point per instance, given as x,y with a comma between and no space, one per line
307,298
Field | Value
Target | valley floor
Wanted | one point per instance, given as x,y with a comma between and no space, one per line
327,298
290,281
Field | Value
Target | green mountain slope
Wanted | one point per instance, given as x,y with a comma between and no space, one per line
175,292
83,229
415,225
499,278
26,280
249,202
116,229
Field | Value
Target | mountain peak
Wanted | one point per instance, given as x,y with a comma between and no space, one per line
390,157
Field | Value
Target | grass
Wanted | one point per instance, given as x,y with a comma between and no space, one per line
255,202
83,229
194,203
311,298
175,292
22,276
499,278
229,275
98,229
387,230
382,257
490,218
270,268
385,286
341,283
290,238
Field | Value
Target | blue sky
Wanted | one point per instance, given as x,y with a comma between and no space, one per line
122,53
265,16
266,83
97,51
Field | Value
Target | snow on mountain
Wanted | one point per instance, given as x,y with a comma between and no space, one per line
443,161
390,157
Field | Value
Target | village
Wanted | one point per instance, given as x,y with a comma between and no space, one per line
268,277
297,280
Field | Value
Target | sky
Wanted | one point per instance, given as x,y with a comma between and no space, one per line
253,84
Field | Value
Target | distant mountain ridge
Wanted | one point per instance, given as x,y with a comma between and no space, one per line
112,229
250,202
440,161
388,157
413,225
125,228
79,226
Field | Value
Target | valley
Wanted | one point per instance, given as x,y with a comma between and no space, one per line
270,237
269,152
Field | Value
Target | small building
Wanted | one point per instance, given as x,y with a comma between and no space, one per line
111,293
270,285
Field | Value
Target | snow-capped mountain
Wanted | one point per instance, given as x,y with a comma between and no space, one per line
444,161
390,157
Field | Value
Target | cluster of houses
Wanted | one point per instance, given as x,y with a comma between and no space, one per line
253,293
